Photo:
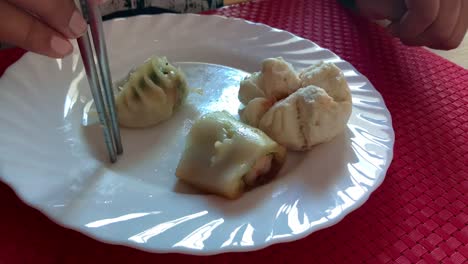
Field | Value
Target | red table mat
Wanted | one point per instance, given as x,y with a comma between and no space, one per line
418,215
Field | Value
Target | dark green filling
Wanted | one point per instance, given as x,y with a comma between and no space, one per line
164,69
154,77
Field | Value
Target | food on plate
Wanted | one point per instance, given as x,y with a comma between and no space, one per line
329,77
254,111
314,113
226,157
152,93
306,118
276,80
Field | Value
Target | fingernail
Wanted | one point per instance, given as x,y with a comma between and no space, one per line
60,46
77,24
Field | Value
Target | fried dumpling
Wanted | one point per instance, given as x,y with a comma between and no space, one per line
306,118
226,157
152,93
276,80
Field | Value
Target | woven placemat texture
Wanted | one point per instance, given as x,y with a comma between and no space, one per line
418,215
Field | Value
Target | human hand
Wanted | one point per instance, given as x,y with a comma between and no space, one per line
43,27
438,24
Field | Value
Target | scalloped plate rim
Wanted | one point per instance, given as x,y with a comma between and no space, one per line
235,249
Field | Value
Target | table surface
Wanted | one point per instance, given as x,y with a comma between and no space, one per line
418,215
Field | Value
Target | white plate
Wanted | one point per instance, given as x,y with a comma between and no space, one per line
58,166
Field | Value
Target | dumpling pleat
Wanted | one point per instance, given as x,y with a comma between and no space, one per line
156,91
150,95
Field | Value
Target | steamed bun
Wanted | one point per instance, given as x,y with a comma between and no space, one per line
253,112
306,118
314,113
276,80
329,77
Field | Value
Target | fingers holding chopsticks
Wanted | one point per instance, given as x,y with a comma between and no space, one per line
43,27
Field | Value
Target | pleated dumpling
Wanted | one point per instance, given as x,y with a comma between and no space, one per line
276,80
226,157
152,93
307,117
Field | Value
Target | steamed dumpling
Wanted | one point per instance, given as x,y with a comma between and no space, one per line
306,118
276,80
151,94
226,157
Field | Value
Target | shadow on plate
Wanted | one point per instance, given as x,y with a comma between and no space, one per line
137,143
325,164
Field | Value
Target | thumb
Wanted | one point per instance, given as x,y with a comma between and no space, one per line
26,31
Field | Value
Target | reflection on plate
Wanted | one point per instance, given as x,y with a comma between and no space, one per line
58,165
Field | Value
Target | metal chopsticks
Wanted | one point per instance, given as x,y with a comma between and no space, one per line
101,88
